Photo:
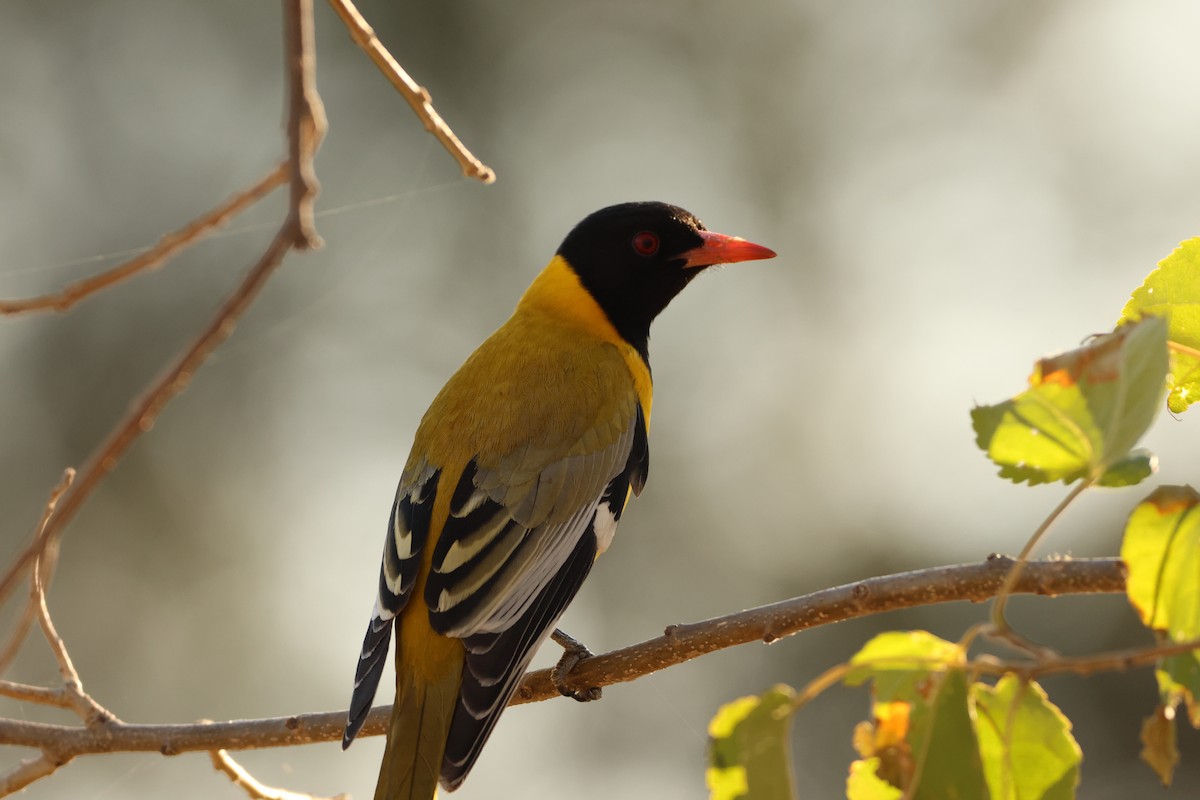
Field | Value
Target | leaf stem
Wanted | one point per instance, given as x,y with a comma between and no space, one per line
999,623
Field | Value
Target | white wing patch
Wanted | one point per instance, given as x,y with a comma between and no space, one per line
605,527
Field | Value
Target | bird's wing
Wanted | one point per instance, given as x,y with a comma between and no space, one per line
513,553
407,530
508,559
513,525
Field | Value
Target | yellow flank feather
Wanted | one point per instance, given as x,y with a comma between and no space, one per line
428,675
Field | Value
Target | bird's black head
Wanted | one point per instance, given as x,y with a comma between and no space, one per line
635,257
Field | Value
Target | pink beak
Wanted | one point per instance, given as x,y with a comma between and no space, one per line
721,249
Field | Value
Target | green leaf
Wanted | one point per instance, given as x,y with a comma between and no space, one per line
1025,741
1178,679
944,744
921,734
1161,551
749,751
865,784
1084,409
900,662
1159,748
1172,291
1130,470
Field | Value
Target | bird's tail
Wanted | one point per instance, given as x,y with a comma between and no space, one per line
428,675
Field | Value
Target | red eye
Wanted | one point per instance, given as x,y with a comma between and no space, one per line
645,243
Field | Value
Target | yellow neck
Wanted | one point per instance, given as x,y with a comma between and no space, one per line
557,291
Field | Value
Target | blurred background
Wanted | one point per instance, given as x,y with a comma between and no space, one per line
954,190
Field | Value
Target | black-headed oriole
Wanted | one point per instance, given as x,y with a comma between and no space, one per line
518,475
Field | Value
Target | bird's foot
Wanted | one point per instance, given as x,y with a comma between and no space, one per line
574,651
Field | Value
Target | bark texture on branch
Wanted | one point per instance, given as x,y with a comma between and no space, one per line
680,643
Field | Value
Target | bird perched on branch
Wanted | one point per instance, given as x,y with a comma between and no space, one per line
518,475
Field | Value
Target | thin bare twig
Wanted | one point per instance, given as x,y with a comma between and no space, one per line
416,95
999,623
167,248
306,121
1113,661
25,773
16,639
91,712
143,414
306,124
975,582
223,762
45,562
42,695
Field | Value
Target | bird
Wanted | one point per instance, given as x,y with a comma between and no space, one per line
519,473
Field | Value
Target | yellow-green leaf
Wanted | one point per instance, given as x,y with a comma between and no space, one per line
1178,679
864,784
1084,410
899,662
1159,748
1025,741
749,751
1172,291
944,744
924,745
1130,470
922,733
1161,551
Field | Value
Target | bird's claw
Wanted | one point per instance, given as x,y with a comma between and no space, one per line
574,651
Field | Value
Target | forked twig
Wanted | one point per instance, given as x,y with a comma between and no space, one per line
306,125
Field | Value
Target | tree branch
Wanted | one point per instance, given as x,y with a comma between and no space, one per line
417,96
974,582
